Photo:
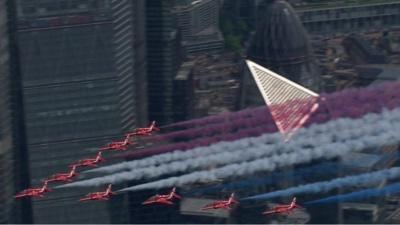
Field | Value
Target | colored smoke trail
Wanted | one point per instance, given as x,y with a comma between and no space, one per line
356,102
376,134
373,94
373,192
324,169
260,147
325,186
222,118
182,146
219,128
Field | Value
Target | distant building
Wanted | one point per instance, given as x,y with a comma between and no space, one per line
198,22
195,16
14,173
242,9
82,66
362,51
217,81
358,213
335,17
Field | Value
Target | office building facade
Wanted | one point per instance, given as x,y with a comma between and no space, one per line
14,175
331,19
81,64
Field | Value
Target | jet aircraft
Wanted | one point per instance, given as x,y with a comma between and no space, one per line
90,162
145,130
34,192
163,199
281,209
100,196
222,204
65,177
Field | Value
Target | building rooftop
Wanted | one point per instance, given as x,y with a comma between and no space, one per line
341,4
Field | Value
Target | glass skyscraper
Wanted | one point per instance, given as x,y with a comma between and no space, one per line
84,79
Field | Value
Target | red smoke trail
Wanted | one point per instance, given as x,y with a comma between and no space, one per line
221,118
249,132
353,99
261,117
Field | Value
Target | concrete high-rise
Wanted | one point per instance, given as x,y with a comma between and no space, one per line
83,76
198,22
14,174
163,58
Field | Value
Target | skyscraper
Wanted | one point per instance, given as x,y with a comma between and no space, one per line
281,44
163,58
14,174
83,76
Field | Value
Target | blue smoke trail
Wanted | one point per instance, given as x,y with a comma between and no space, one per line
325,186
294,175
323,169
390,189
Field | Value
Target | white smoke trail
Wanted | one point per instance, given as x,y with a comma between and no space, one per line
200,152
325,186
385,132
257,147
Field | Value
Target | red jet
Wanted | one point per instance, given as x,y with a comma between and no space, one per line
118,145
34,192
90,162
65,177
145,130
222,204
281,209
163,199
100,196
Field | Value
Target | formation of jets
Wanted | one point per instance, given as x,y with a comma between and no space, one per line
227,204
91,162
166,199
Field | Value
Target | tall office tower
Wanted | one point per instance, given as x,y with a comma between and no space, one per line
81,62
282,45
163,58
14,174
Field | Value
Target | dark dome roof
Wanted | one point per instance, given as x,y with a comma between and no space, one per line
280,35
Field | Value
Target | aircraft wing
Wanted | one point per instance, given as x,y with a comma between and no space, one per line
21,195
85,199
269,212
163,201
150,200
208,206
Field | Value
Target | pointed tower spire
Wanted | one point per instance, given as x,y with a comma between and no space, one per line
289,103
